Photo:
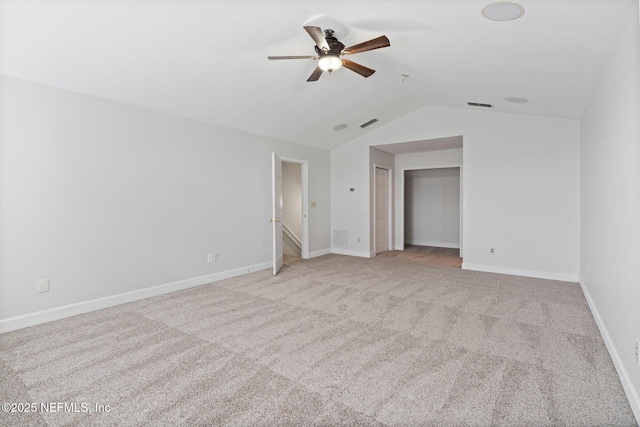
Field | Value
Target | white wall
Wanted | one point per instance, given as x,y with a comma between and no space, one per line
432,207
520,187
106,199
610,205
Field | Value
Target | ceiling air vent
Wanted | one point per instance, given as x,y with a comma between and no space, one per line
369,123
479,104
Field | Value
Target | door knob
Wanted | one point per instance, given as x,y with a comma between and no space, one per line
274,219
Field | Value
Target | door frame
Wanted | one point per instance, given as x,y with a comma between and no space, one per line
400,241
304,174
276,212
389,206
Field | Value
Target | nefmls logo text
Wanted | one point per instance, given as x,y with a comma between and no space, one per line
64,407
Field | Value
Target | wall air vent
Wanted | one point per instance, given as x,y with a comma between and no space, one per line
479,104
369,123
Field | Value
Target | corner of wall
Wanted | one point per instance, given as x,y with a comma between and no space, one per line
632,394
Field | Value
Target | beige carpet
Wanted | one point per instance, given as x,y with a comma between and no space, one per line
405,339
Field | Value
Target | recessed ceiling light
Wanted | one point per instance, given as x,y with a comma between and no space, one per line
503,11
516,100
340,126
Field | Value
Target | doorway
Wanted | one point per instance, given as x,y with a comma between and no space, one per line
278,207
295,207
433,207
292,209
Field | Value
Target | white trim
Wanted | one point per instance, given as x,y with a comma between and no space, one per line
563,277
276,212
434,244
322,252
461,209
633,396
57,313
350,252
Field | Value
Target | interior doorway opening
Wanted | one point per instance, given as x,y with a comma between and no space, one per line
433,208
292,209
295,230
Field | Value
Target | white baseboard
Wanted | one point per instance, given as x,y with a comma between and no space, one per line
350,252
57,313
433,244
633,395
563,277
322,252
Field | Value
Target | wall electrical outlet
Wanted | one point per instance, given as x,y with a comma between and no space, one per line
43,285
492,251
638,351
216,256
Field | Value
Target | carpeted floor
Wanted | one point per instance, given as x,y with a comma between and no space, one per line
405,339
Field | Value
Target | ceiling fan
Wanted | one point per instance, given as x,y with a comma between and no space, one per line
329,51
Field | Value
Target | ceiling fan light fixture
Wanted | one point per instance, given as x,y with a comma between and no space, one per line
330,63
329,51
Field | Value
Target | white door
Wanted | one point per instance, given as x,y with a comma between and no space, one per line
382,210
276,169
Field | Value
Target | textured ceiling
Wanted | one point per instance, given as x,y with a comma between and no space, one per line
207,60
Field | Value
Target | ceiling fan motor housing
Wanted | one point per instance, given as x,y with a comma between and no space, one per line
335,47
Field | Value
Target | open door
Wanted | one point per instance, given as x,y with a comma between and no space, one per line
276,173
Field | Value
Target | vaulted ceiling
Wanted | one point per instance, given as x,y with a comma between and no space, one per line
207,60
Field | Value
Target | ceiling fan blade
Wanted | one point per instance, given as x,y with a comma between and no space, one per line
360,69
315,75
292,57
376,43
317,35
